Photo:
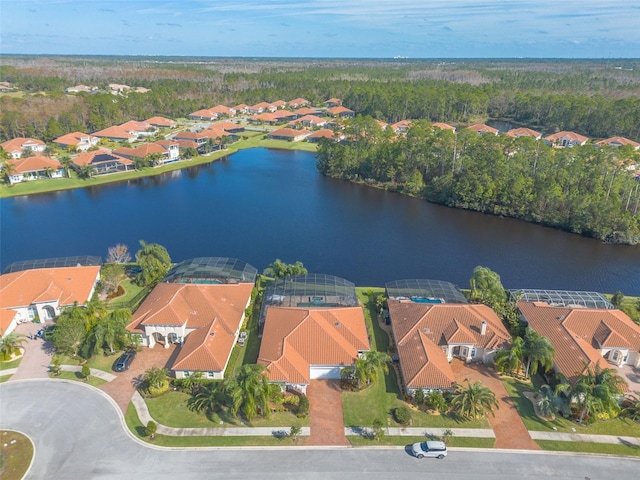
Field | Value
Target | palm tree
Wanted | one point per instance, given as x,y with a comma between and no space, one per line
538,352
632,406
597,390
10,343
510,360
8,169
155,377
65,161
207,399
549,403
249,391
473,401
111,329
373,361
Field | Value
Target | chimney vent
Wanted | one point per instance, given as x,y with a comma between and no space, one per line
483,328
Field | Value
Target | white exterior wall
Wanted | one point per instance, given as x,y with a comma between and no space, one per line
207,375
325,371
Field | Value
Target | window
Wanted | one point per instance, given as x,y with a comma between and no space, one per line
211,374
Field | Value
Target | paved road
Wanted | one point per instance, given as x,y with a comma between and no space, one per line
79,434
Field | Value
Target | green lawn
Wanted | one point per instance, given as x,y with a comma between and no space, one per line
367,297
99,361
584,447
616,426
131,290
77,376
15,457
467,442
4,378
171,410
10,364
248,353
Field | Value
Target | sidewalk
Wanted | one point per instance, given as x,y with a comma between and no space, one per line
107,377
425,432
581,437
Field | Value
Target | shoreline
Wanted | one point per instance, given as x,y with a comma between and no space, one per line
55,185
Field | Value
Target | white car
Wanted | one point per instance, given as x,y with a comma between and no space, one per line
430,448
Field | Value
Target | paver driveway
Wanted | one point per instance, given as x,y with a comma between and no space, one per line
122,388
325,411
507,425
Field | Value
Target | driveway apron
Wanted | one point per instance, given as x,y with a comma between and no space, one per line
325,410
507,425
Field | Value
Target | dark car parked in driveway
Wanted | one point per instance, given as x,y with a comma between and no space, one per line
124,361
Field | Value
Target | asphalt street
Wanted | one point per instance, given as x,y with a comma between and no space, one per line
79,433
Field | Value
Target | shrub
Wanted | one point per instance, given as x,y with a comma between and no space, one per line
377,432
418,398
157,390
151,429
86,371
303,406
402,415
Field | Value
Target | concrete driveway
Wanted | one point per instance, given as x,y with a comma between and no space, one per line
79,434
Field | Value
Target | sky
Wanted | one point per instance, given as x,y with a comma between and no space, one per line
324,28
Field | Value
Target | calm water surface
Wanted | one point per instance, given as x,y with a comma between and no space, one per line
261,204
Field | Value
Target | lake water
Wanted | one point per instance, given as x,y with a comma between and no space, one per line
258,205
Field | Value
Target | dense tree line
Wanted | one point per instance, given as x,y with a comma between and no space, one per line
584,190
592,99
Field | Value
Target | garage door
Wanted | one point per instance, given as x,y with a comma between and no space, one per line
325,371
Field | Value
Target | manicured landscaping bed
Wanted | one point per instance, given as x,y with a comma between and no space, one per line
616,426
99,361
4,378
170,409
134,424
10,364
16,453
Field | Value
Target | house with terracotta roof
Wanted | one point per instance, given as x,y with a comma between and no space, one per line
618,142
320,134
481,129
301,112
116,134
269,118
229,127
102,162
298,102
161,122
524,132
8,321
81,89
223,111
311,121
279,104
443,126
429,335
19,145
401,127
204,114
43,292
161,152
288,134
584,337
301,344
77,140
139,128
197,137
342,112
199,306
333,102
34,168
566,139
261,107
241,108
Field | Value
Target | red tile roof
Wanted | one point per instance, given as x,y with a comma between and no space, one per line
160,122
618,141
578,333
571,136
523,132
482,128
288,132
65,285
421,330
140,151
323,133
443,126
339,110
298,101
204,309
204,113
19,143
115,132
301,112
6,318
34,164
98,156
73,139
295,338
135,126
